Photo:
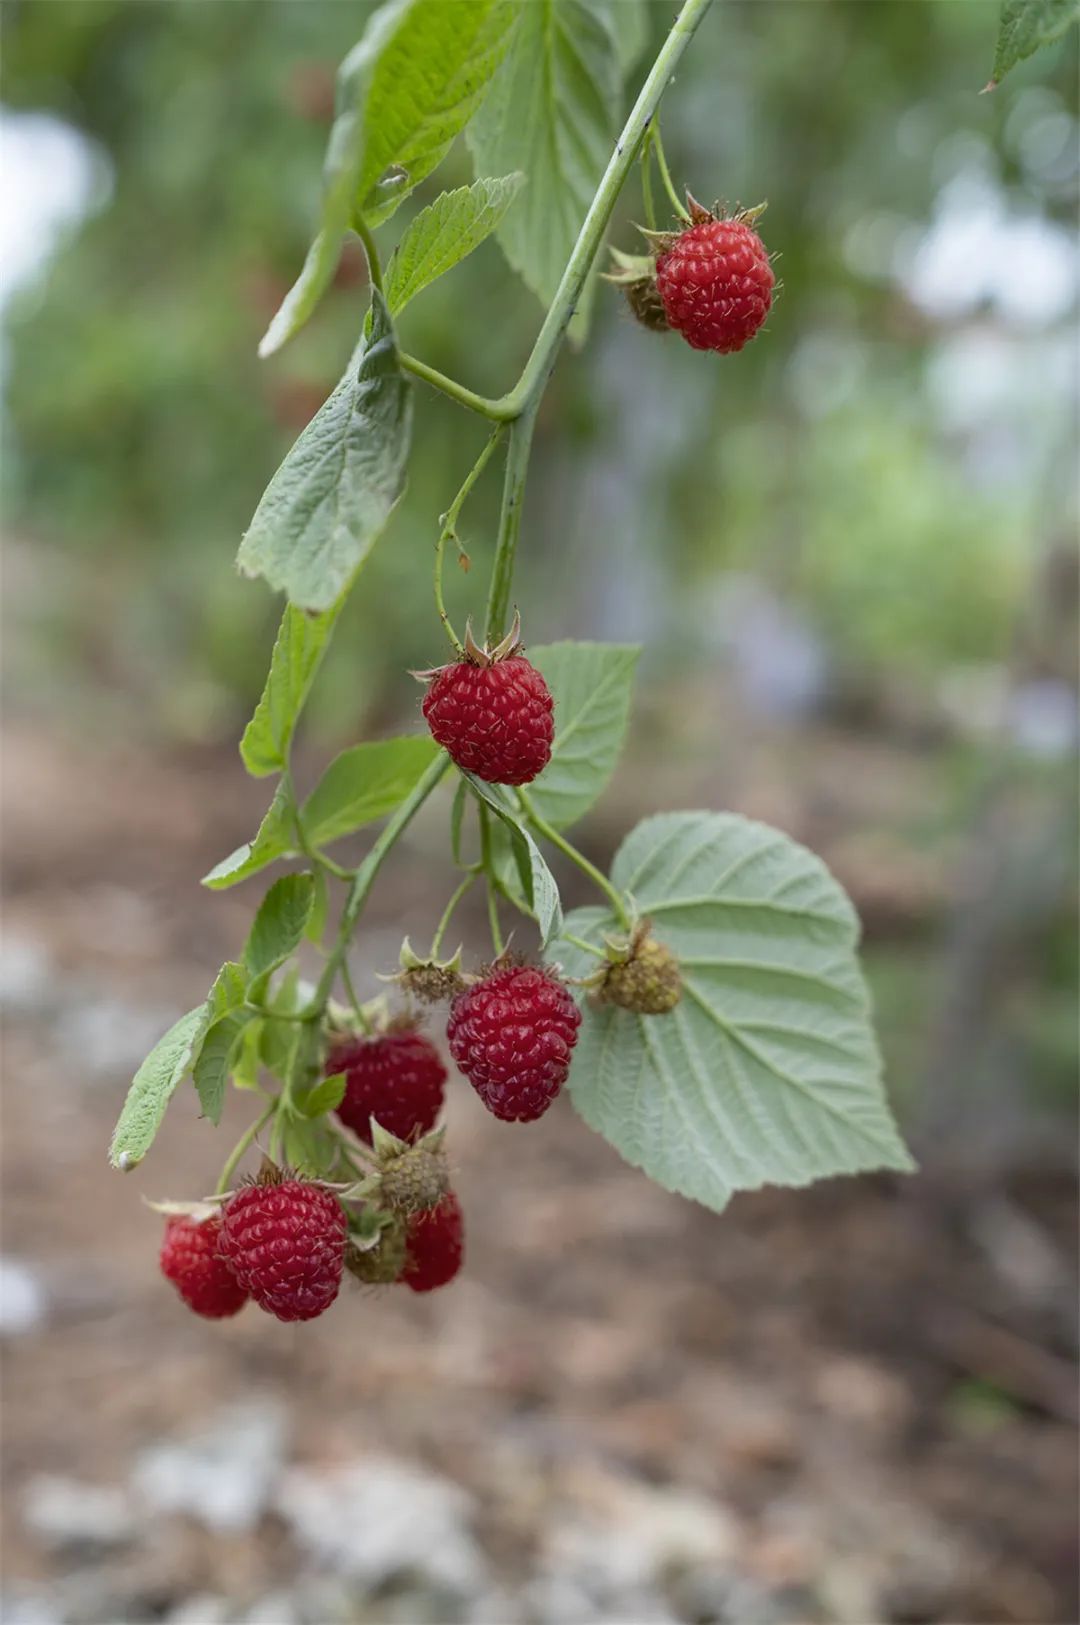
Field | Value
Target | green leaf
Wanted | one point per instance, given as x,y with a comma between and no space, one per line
590,684
153,1085
245,1062
364,783
229,991
325,1096
444,233
341,170
277,928
457,817
1025,26
214,1063
309,1146
276,838
320,904
433,67
298,650
632,26
551,113
767,1071
540,892
329,501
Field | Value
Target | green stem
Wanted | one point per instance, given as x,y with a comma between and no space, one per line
646,180
585,250
497,411
449,528
241,1146
600,880
586,947
364,879
665,175
492,896
440,929
363,231
523,401
358,1009
502,570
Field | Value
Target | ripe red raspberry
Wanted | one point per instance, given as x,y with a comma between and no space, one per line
285,1241
191,1261
716,284
493,715
435,1246
511,1035
397,1078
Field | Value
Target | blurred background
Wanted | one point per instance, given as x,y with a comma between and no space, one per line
850,554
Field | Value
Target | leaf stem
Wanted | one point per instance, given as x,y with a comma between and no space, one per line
449,528
598,878
586,947
497,411
363,231
242,1144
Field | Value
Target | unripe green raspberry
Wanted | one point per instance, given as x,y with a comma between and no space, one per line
380,1265
414,1180
648,982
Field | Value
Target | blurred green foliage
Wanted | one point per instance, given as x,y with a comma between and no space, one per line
141,428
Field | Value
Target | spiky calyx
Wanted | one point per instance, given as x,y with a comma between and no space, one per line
190,1258
635,274
647,980
512,1034
284,1239
432,981
492,712
396,1077
435,1246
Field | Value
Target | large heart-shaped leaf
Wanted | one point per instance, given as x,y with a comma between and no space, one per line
767,1071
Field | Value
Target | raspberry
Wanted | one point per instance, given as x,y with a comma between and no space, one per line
397,1078
285,1241
648,981
191,1261
436,1246
716,283
511,1034
493,712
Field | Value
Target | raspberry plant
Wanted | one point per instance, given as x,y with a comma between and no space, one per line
708,1011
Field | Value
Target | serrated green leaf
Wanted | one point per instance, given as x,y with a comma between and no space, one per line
330,499
326,1096
540,892
364,783
298,650
1025,26
432,70
767,1071
444,233
276,838
277,1041
552,114
229,991
277,928
153,1085
590,684
245,1064
341,170
214,1063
